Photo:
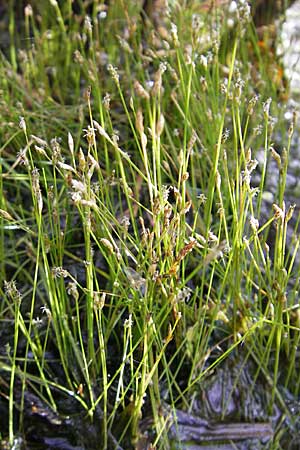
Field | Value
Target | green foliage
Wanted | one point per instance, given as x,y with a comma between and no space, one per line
132,239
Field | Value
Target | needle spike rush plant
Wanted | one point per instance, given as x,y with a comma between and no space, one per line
149,244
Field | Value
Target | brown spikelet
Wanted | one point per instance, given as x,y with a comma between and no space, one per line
186,249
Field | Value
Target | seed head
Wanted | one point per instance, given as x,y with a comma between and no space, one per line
114,74
158,79
254,223
12,292
276,157
59,272
186,207
78,58
141,91
266,107
107,244
22,123
186,249
106,101
174,35
139,121
251,104
99,301
290,212
128,323
258,130
90,135
46,310
71,143
278,212
88,24
124,44
101,130
197,22
244,12
56,150
233,7
28,11
203,61
218,180
203,83
78,186
160,125
225,135
81,161
36,189
72,290
5,215
125,222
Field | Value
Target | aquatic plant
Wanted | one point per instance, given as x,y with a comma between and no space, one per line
138,250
